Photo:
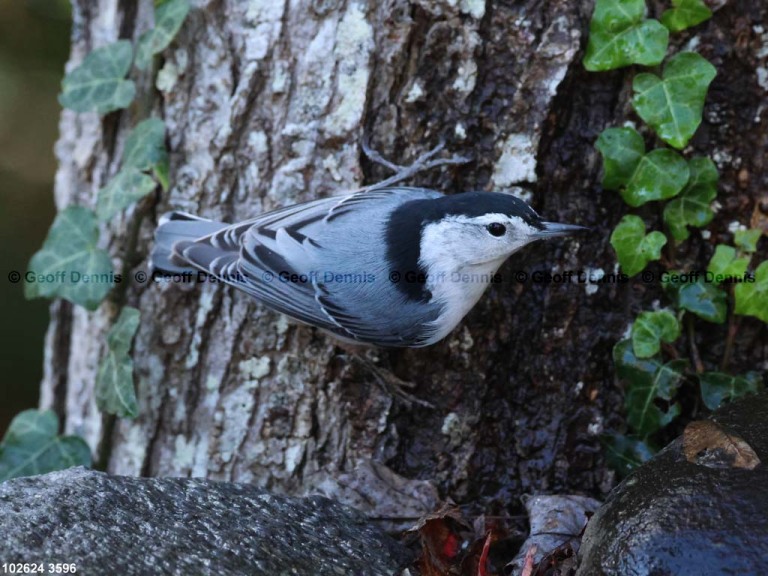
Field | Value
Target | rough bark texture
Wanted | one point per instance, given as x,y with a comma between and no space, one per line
265,104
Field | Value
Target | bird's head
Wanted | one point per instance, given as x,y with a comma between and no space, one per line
477,228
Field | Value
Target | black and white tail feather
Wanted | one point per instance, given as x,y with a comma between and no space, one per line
174,230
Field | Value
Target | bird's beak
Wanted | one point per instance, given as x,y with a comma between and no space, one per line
552,229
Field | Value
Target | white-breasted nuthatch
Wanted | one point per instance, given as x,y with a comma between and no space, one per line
392,266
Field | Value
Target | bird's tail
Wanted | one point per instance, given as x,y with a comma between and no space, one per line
175,228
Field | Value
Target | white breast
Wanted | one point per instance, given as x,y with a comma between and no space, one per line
454,284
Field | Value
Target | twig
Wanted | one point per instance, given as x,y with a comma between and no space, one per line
733,328
697,363
421,164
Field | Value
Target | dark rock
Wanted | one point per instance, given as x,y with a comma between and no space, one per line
145,526
702,514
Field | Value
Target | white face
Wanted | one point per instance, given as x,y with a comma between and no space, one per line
460,241
460,254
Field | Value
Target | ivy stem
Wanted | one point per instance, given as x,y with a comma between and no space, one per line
733,328
671,251
697,363
104,450
129,259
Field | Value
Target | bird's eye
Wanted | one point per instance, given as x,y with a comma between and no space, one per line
496,229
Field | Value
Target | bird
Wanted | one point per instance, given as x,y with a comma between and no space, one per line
392,266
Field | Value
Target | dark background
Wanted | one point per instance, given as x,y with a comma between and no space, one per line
34,44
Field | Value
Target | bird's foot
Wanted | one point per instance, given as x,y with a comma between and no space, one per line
391,384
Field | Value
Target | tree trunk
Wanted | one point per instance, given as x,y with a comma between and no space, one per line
266,104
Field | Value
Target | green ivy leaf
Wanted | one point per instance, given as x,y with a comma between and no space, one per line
145,146
31,446
169,16
643,414
747,239
99,82
726,263
659,175
127,187
144,150
621,149
626,453
692,207
69,265
717,387
672,106
619,36
752,297
685,14
634,248
706,300
651,329
115,392
648,381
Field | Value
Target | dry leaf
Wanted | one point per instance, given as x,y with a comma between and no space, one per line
528,561
441,539
556,524
710,444
759,218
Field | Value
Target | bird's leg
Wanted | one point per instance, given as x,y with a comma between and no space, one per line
422,163
390,383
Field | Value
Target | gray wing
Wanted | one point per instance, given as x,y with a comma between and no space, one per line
283,258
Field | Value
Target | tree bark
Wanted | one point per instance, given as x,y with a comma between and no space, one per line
265,104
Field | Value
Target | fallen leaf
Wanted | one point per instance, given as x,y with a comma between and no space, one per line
441,535
482,565
760,215
530,556
557,524
710,444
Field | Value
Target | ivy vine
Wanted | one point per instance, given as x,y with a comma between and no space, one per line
671,104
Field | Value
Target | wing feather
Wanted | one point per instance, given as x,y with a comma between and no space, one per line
273,256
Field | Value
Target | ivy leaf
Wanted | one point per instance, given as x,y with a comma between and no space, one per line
69,265
659,175
747,239
752,297
626,453
115,393
692,207
634,248
31,446
169,16
685,14
706,300
145,147
652,328
619,36
650,388
99,82
672,106
621,149
717,387
726,264
144,150
127,187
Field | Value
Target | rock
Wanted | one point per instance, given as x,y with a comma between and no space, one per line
699,507
145,526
